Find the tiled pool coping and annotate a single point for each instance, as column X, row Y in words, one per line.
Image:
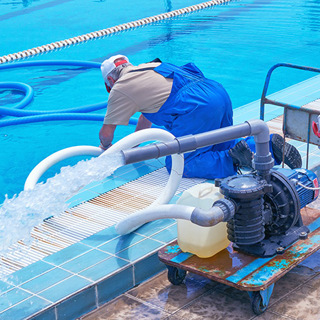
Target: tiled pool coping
column 81, row 277
column 90, row 277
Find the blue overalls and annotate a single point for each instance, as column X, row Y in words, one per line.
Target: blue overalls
column 195, row 105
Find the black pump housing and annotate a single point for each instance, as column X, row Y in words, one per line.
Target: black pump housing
column 267, row 218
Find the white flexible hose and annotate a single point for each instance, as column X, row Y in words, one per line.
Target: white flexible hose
column 177, row 159
column 165, row 211
column 56, row 157
column 125, row 143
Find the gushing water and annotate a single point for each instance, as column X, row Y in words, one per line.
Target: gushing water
column 21, row 213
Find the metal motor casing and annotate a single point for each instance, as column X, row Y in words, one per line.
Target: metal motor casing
column 268, row 212
column 307, row 178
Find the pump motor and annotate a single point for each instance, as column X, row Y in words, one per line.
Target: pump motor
column 267, row 217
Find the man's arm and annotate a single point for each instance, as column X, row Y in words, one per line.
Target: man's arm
column 143, row 123
column 106, row 135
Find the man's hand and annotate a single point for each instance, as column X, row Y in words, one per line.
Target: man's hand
column 105, row 147
column 106, row 135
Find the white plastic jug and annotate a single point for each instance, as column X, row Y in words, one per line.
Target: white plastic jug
column 201, row 241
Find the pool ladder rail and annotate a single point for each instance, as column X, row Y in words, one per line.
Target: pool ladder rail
column 298, row 122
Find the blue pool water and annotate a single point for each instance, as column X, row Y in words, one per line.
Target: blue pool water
column 234, row 44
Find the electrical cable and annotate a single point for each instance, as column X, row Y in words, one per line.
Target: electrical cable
column 308, row 188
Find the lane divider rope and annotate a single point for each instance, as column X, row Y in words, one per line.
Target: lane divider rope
column 107, row 31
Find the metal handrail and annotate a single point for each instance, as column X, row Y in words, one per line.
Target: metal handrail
column 286, row 106
column 265, row 100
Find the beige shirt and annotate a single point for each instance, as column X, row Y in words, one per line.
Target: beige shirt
column 141, row 91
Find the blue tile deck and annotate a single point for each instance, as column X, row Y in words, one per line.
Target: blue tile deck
column 140, row 250
column 101, row 237
column 4, row 287
column 122, row 243
column 154, row 227
column 147, row 267
column 166, row 235
column 77, row 305
column 29, row 272
column 13, row 296
column 104, row 268
column 66, row 254
column 85, row 261
column 25, row 309
column 113, row 286
column 46, row 280
column 65, row 288
column 101, row 266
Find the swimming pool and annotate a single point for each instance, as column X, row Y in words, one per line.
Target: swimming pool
column 234, row 44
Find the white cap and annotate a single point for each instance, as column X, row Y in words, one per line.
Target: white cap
column 108, row 65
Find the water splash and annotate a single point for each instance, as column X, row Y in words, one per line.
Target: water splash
column 20, row 214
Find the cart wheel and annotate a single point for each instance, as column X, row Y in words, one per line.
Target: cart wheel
column 257, row 304
column 175, row 275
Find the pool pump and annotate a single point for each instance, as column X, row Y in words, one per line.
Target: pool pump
column 267, row 215
column 262, row 209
